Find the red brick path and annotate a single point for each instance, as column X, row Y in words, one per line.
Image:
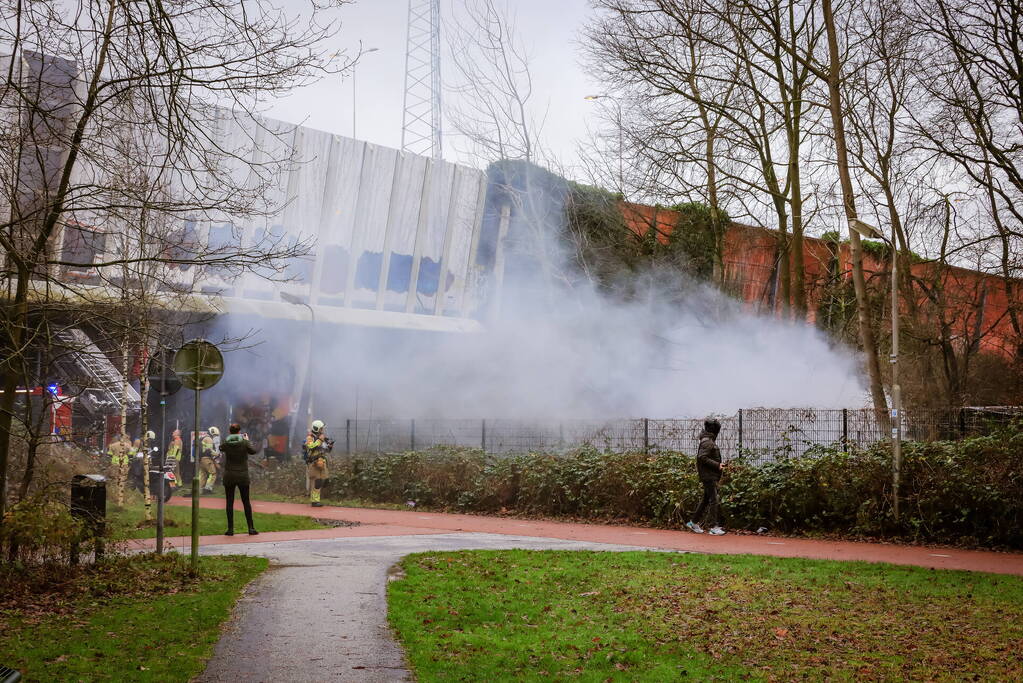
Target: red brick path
column 400, row 522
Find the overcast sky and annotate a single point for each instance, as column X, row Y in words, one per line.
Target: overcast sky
column 549, row 28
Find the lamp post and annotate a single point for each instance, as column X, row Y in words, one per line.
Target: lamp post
column 621, row 137
column 354, row 67
column 307, row 373
column 896, row 414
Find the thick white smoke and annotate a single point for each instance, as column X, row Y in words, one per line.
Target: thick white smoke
column 597, row 359
column 564, row 353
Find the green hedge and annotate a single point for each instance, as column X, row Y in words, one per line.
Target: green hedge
column 957, row 492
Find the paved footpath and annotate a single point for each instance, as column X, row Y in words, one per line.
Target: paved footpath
column 320, row 612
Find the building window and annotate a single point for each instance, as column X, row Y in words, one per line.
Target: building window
column 82, row 246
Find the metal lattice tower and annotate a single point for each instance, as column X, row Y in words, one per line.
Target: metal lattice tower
column 421, row 125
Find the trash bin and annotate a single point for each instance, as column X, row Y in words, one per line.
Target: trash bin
column 89, row 504
column 8, row 675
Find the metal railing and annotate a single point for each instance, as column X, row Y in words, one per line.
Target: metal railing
column 761, row 433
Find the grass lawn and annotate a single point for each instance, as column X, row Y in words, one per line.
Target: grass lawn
column 134, row 619
column 128, row 522
column 594, row 616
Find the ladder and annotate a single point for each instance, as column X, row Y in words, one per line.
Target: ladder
column 98, row 368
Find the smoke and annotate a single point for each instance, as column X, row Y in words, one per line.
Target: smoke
column 600, row 359
column 555, row 346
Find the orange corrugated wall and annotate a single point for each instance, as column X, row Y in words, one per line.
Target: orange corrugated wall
column 974, row 301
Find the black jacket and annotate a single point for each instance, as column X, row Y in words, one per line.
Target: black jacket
column 236, row 452
column 708, row 458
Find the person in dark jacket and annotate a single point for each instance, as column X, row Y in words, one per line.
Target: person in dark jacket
column 236, row 450
column 709, row 468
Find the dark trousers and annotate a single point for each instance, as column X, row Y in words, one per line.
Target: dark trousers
column 243, row 489
column 709, row 504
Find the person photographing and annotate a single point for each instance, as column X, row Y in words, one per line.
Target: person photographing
column 237, row 449
column 709, row 468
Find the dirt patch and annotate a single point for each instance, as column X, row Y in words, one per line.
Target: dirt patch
column 336, row 523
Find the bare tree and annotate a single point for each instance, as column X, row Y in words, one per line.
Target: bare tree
column 89, row 80
column 678, row 95
column 975, row 119
column 493, row 86
column 724, row 77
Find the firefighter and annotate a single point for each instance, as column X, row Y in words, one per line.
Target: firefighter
column 208, row 461
column 174, row 454
column 120, row 454
column 315, row 450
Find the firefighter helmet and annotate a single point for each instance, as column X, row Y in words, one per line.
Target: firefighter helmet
column 150, row 436
column 213, row 431
column 318, row 426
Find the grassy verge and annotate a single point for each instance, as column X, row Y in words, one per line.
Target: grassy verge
column 304, row 499
column 128, row 522
column 522, row 615
column 333, row 502
column 128, row 619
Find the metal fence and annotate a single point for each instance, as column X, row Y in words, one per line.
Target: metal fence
column 762, row 434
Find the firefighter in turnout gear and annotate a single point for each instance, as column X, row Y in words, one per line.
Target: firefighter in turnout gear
column 174, row 454
column 208, row 461
column 120, row 452
column 315, row 450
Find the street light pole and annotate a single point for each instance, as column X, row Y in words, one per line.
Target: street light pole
column 896, row 388
column 896, row 414
column 307, row 375
column 354, row 67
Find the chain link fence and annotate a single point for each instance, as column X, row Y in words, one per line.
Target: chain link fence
column 761, row 433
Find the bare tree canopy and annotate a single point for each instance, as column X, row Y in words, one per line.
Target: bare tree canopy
column 123, row 125
column 795, row 114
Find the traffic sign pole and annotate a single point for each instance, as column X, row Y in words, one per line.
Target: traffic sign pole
column 199, row 365
column 195, row 487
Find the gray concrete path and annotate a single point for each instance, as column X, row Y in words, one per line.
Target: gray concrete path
column 320, row 612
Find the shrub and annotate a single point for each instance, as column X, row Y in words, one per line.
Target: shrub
column 39, row 530
column 968, row 491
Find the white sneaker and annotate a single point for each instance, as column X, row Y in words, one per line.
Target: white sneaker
column 717, row 531
column 694, row 527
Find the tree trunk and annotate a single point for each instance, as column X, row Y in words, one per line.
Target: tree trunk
column 20, row 320
column 784, row 265
column 30, row 466
column 718, row 228
column 849, row 203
